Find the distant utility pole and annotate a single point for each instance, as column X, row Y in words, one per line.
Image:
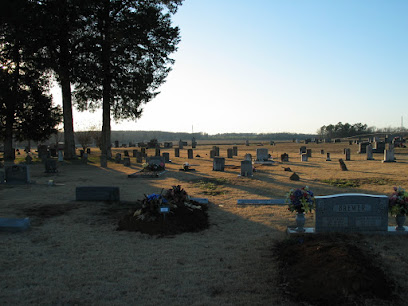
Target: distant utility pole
column 402, row 122
column 192, row 129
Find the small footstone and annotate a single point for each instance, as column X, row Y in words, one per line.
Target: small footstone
column 294, row 177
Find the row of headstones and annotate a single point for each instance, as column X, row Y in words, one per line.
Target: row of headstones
column 388, row 153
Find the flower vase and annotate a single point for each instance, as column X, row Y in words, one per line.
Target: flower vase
column 400, row 222
column 300, row 222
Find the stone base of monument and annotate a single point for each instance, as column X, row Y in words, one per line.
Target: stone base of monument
column 391, row 231
column 13, row 225
column 264, row 162
column 144, row 174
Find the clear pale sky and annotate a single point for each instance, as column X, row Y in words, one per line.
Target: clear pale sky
column 264, row 66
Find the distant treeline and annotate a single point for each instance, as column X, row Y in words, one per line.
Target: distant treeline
column 140, row 136
column 341, row 130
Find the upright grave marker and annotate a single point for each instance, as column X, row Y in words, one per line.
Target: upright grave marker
column 218, row 164
column 351, row 212
column 246, row 168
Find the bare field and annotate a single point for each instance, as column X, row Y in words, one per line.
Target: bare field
column 74, row 255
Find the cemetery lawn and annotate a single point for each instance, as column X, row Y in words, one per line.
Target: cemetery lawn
column 74, row 254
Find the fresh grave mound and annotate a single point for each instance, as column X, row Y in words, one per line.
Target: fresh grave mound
column 330, row 270
column 184, row 215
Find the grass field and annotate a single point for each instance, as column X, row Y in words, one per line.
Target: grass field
column 74, row 255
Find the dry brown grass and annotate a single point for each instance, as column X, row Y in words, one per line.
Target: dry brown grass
column 77, row 257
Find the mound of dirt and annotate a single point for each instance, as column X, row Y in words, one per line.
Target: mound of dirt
column 330, row 270
column 185, row 215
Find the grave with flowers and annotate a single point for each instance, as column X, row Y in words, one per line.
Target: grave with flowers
column 155, row 166
column 166, row 213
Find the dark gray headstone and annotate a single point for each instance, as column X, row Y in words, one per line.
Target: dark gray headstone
column 166, row 157
column 347, row 153
column 302, row 150
column 17, row 174
column 248, row 157
column 118, row 158
column 126, row 153
column 351, row 213
column 218, row 164
column 246, row 168
column 97, row 193
column 190, row 153
column 176, row 152
column 342, row 165
column 235, row 150
column 50, row 165
column 369, row 150
column 262, row 154
column 284, row 157
column 157, row 153
column 304, row 157
column 229, row 153
column 309, row 152
column 212, row 153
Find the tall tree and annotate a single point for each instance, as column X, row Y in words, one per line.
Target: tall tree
column 24, row 83
column 126, row 53
column 63, row 22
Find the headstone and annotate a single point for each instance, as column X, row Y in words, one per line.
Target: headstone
column 17, row 174
column 88, row 151
column 246, row 168
column 303, row 157
column 378, row 147
column 248, row 157
column 218, row 164
column 118, row 158
column 97, row 193
column 126, row 161
column 235, row 151
column 193, row 143
column 321, row 151
column 262, row 154
column 389, row 156
column 328, row 157
column 309, row 152
column 166, row 157
column 284, row 157
column 347, row 153
column 369, row 150
column 217, row 150
column 104, row 161
column 302, row 150
column 143, row 151
column 126, row 153
column 139, row 157
column 247, row 143
column 190, row 154
column 116, row 144
column 212, row 153
column 134, row 152
column 342, row 165
column 294, row 177
column 181, row 144
column 157, row 160
column 157, row 152
column 14, row 225
column 29, row 159
column 168, row 145
column 84, row 158
column 229, row 153
column 53, row 152
column 351, row 213
column 177, row 152
column 42, row 152
column 362, row 147
column 50, row 165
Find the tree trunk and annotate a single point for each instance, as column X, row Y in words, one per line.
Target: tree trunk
column 106, row 82
column 69, row 141
column 11, row 104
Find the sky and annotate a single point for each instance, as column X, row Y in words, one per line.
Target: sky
column 270, row 66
